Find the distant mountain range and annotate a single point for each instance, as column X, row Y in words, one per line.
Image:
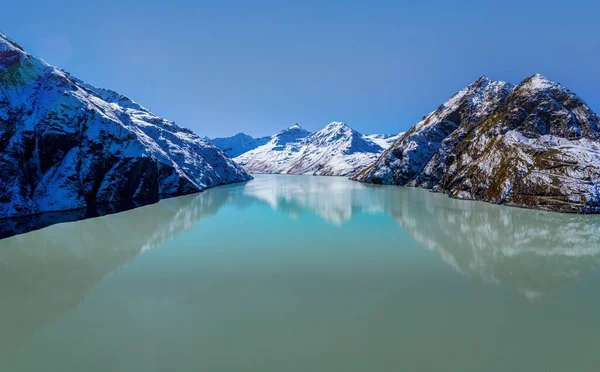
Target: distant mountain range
column 336, row 150
column 67, row 145
column 532, row 145
column 238, row 144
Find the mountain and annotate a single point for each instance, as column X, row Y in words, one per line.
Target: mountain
column 534, row 145
column 336, row 150
column 68, row 145
column 276, row 155
column 383, row 140
column 238, row 144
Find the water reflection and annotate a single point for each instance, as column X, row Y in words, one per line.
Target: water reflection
column 335, row 199
column 535, row 252
column 20, row 225
column 45, row 273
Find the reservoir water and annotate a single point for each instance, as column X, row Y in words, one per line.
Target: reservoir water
column 300, row 273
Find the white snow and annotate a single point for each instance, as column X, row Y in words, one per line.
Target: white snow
column 47, row 100
column 383, row 140
column 539, row 82
column 336, row 150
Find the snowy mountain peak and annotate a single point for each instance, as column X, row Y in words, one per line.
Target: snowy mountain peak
column 534, row 145
column 336, row 128
column 7, row 43
column 238, row 144
column 476, row 100
column 336, row 125
column 539, row 106
column 66, row 145
column 482, row 85
column 422, row 150
column 345, row 139
column 485, row 83
column 539, row 82
column 11, row 53
column 294, row 129
column 336, row 150
column 483, row 80
column 291, row 134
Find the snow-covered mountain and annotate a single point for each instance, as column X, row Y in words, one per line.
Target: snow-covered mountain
column 238, row 144
column 383, row 140
column 534, row 145
column 336, row 150
column 67, row 145
column 276, row 154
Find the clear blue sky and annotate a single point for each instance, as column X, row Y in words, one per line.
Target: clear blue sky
column 221, row 67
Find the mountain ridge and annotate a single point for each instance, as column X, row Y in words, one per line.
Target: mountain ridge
column 68, row 145
column 238, row 144
column 532, row 145
column 335, row 150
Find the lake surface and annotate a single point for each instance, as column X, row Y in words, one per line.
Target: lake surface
column 300, row 273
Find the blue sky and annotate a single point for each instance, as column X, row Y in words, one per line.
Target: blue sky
column 223, row 67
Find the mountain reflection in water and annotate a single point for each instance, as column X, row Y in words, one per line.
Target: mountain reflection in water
column 47, row 272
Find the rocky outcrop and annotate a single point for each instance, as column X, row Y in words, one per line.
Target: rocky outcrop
column 67, row 145
column 534, row 145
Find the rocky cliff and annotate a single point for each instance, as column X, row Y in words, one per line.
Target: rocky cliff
column 534, row 145
column 65, row 144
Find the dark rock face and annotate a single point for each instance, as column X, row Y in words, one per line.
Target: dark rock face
column 67, row 145
column 534, row 145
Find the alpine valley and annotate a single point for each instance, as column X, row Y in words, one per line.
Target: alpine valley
column 67, row 145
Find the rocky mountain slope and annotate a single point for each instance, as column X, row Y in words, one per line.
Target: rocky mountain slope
column 238, row 144
column 67, row 145
column 336, row 150
column 534, row 145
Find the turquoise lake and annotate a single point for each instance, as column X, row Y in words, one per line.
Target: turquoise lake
column 301, row 273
